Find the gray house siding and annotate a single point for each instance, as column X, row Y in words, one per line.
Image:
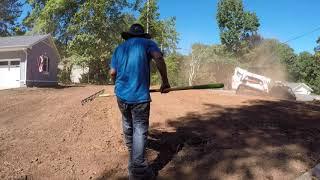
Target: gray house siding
column 36, row 78
column 28, row 49
column 17, row 55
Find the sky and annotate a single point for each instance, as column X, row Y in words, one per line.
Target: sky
column 280, row 19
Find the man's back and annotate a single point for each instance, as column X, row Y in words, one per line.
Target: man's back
column 131, row 60
column 130, row 67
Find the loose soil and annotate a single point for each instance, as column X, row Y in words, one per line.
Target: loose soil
column 199, row 134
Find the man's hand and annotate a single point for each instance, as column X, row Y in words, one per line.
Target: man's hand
column 165, row 87
column 113, row 74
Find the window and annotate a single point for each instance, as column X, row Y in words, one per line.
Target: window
column 4, row 63
column 15, row 63
column 45, row 64
column 239, row 74
column 254, row 80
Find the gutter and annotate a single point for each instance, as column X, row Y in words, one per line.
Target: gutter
column 7, row 49
column 22, row 47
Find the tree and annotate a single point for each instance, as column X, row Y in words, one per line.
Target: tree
column 162, row 31
column 97, row 26
column 174, row 64
column 306, row 69
column 317, row 50
column 197, row 55
column 10, row 10
column 235, row 24
column 207, row 64
column 51, row 16
column 86, row 32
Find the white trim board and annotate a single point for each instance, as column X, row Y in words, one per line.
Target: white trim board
column 15, row 59
column 12, row 49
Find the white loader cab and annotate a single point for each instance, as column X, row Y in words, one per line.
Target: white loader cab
column 245, row 79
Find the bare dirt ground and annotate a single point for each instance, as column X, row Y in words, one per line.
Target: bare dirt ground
column 47, row 134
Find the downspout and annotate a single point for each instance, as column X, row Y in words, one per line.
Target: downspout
column 26, row 65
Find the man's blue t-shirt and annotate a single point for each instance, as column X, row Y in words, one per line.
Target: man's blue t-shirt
column 131, row 60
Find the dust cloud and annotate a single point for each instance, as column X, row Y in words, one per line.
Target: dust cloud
column 263, row 60
column 211, row 66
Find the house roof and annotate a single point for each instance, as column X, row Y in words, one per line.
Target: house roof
column 295, row 86
column 21, row 42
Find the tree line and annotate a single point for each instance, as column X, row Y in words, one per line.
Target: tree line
column 86, row 33
column 242, row 45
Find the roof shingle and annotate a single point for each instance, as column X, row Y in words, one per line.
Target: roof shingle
column 20, row 41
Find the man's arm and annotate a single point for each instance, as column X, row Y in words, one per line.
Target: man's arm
column 113, row 65
column 161, row 66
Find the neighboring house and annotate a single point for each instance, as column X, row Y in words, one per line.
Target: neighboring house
column 77, row 72
column 302, row 91
column 28, row 61
column 300, row 88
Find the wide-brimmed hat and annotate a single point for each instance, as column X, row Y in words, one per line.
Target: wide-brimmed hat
column 136, row 30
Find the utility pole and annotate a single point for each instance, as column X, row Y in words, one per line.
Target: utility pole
column 148, row 4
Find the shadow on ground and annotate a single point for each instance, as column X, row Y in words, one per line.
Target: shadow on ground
column 263, row 140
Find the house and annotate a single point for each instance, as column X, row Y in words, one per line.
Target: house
column 28, row 61
column 300, row 88
column 302, row 91
column 77, row 72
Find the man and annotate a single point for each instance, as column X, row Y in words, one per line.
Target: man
column 130, row 68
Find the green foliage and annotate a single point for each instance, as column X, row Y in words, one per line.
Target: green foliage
column 51, row 16
column 306, row 69
column 270, row 58
column 97, row 26
column 317, row 50
column 207, row 64
column 165, row 34
column 174, row 63
column 279, row 62
column 10, row 10
column 162, row 31
column 235, row 24
column 86, row 31
column 302, row 66
column 64, row 76
column 280, row 52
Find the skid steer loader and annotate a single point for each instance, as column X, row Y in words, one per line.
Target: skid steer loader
column 245, row 82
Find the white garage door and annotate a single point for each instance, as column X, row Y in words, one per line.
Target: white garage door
column 9, row 73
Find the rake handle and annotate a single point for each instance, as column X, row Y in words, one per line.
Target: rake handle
column 204, row 86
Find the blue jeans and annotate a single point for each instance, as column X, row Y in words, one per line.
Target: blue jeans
column 135, row 124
